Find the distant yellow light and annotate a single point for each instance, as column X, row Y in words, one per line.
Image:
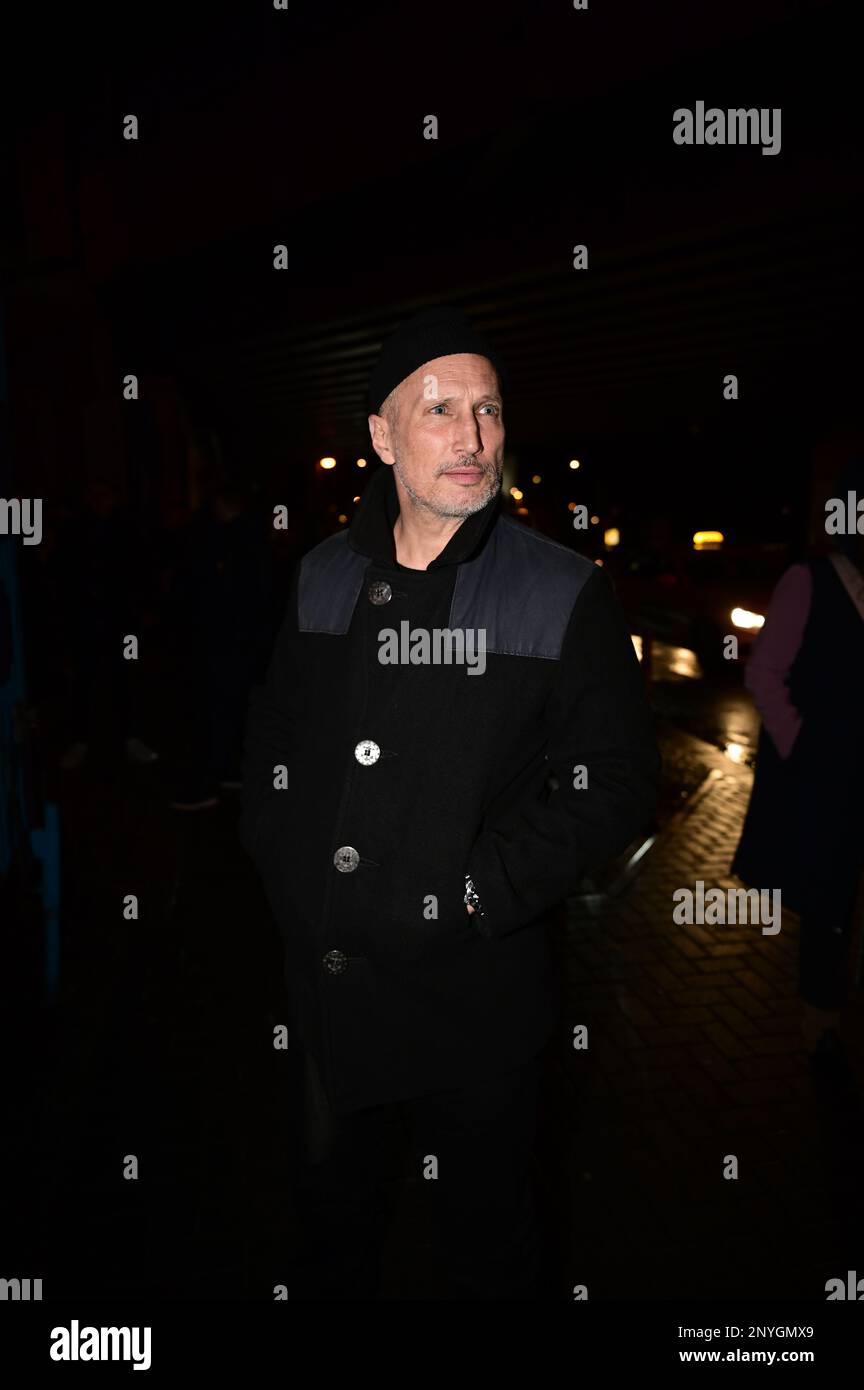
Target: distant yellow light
column 516, row 494
column 611, row 537
column 707, row 540
column 595, row 521
column 742, row 618
column 522, row 511
column 343, row 518
column 574, row 463
column 536, row 478
column 361, row 463
column 736, row 751
column 571, row 506
column 327, row 463
column 356, row 499
column 598, row 562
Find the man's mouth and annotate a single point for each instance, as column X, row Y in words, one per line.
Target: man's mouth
column 465, row 475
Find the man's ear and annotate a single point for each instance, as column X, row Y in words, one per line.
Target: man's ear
column 379, row 431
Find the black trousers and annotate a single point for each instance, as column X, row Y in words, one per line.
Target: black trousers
column 469, row 1153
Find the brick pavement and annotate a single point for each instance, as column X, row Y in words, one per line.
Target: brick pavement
column 695, row 1052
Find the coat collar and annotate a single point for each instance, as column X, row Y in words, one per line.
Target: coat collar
column 371, row 531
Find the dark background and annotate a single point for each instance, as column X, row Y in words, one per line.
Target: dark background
column 259, row 127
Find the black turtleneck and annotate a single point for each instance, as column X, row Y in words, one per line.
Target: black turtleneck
column 371, row 531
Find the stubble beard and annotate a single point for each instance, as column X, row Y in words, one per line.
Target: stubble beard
column 475, row 503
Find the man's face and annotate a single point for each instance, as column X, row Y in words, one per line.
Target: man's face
column 446, row 443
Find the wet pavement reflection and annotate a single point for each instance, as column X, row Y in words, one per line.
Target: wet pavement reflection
column 714, row 707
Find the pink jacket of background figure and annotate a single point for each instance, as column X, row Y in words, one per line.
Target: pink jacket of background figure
column 773, row 653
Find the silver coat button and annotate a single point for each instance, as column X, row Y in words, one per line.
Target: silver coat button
column 335, row 962
column 379, row 591
column 346, row 859
column 367, row 752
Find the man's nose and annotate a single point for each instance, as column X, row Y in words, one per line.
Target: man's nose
column 467, row 437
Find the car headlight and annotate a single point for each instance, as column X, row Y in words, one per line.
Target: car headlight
column 750, row 621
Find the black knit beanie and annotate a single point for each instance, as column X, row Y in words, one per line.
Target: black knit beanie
column 434, row 333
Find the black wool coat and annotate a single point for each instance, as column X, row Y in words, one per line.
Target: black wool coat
column 404, row 775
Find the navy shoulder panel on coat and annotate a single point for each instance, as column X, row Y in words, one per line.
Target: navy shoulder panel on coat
column 521, row 589
column 331, row 576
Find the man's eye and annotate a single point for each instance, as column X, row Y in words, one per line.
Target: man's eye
column 437, row 407
column 490, row 407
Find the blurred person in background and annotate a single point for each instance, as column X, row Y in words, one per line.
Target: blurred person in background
column 101, row 581
column 220, row 617
column 804, row 829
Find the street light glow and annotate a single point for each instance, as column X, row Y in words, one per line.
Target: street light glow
column 751, row 622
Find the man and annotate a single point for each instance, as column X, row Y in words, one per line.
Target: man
column 459, row 712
